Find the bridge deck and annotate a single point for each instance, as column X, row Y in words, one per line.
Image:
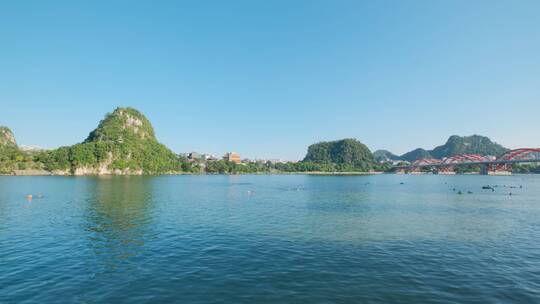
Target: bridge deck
column 494, row 162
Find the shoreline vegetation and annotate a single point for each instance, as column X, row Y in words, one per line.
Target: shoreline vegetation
column 124, row 143
column 47, row 173
column 320, row 173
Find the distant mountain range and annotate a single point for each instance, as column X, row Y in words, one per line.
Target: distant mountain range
column 455, row 145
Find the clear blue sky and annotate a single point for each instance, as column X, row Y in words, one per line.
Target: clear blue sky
column 268, row 78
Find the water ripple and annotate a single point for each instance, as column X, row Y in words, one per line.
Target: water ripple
column 291, row 239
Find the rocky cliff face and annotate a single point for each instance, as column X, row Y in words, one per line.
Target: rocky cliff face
column 124, row 143
column 10, row 154
column 6, row 137
column 123, row 124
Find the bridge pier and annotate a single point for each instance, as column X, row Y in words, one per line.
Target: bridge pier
column 484, row 170
column 489, row 169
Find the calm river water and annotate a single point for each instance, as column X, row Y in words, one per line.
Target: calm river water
column 270, row 239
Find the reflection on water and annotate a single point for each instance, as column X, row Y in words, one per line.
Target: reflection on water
column 118, row 216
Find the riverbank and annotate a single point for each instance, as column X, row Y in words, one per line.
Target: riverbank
column 48, row 173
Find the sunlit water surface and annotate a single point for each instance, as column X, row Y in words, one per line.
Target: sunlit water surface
column 270, row 238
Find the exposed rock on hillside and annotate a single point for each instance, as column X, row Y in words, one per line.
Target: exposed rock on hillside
column 7, row 137
column 457, row 145
column 123, row 124
column 475, row 144
column 10, row 154
column 124, row 143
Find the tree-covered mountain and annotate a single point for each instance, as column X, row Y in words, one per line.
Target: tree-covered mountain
column 457, row 145
column 475, row 144
column 123, row 143
column 342, row 155
column 385, row 155
column 415, row 155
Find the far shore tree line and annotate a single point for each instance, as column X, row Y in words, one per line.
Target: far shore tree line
column 124, row 143
column 346, row 155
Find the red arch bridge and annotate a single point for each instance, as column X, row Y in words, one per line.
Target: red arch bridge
column 487, row 164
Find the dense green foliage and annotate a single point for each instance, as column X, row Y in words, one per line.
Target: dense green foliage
column 341, row 155
column 462, row 169
column 415, row 155
column 124, row 140
column 226, row 167
column 11, row 157
column 123, row 124
column 526, row 168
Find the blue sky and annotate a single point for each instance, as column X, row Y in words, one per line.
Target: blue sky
column 268, row 78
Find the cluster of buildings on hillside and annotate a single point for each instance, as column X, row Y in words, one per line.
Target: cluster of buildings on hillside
column 229, row 156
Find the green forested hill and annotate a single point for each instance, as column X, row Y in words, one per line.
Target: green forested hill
column 475, row 144
column 456, row 145
column 123, row 143
column 345, row 154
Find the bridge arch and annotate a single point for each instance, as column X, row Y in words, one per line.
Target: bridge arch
column 464, row 159
column 520, row 154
